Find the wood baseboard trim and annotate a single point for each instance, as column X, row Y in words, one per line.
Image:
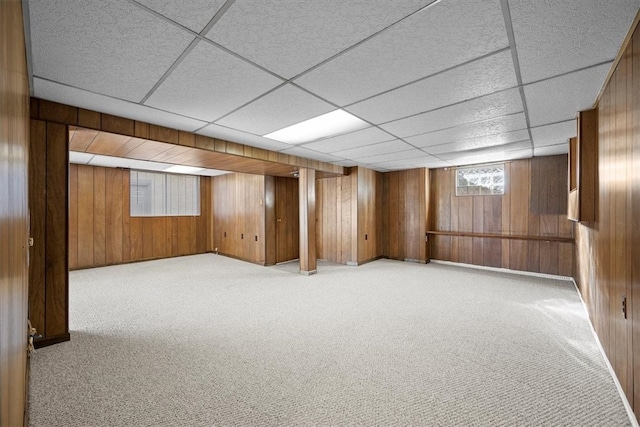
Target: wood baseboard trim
column 45, row 342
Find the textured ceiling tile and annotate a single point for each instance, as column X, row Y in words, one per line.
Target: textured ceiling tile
column 494, row 150
column 397, row 155
column 291, row 37
column 374, row 149
column 472, row 130
column 481, row 142
column 557, row 133
column 415, row 162
column 112, row 48
column 355, row 139
column 91, row 101
column 448, row 33
column 311, row 154
column 560, row 98
column 554, row 37
column 551, row 150
column 221, row 132
column 431, row 163
column 481, row 77
column 283, row 107
column 478, row 158
column 210, row 83
column 487, row 107
column 80, row 158
column 193, row 14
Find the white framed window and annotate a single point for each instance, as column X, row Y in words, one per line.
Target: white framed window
column 480, row 180
column 163, row 194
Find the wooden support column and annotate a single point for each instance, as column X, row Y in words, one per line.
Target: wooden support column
column 307, row 203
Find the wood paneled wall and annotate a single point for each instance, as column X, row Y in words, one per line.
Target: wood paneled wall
column 239, row 216
column 369, row 204
column 287, row 219
column 14, row 223
column 336, row 223
column 102, row 231
column 48, row 202
column 350, row 217
column 608, row 249
column 534, row 204
column 405, row 209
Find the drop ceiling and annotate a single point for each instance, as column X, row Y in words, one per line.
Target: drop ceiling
column 438, row 83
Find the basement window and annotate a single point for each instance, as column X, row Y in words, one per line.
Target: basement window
column 164, row 194
column 480, row 181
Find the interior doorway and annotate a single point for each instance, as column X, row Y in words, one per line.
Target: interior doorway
column 287, row 219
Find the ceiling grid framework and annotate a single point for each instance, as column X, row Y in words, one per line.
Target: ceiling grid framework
column 439, row 83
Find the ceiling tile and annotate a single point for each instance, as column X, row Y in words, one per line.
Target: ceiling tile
column 552, row 37
column 480, row 77
column 291, row 37
column 478, row 158
column 557, row 133
column 471, row 130
column 391, row 156
column 419, row 46
column 193, row 14
column 481, row 142
column 111, row 162
column 407, row 163
column 486, row 107
column 283, row 107
column 221, row 132
column 431, row 162
column 80, row 158
column 490, row 151
column 80, row 98
column 551, row 150
column 311, row 154
column 210, row 83
column 559, row 99
column 115, row 48
column 374, row 149
column 355, row 139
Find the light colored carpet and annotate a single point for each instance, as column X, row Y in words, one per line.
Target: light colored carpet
column 207, row 340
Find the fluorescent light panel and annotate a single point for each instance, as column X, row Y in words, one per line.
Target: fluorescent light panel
column 330, row 124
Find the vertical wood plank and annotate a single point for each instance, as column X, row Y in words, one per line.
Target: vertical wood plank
column 85, row 216
column 114, row 215
column 307, row 207
column 56, row 274
column 99, row 217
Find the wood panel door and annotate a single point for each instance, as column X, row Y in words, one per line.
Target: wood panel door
column 287, row 219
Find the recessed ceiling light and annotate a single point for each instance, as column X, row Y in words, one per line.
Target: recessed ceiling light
column 182, row 169
column 334, row 123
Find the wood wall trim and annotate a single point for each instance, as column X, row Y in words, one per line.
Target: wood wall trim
column 502, row 236
column 73, row 116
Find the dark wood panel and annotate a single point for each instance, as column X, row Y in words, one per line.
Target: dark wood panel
column 606, row 245
column 84, row 244
column 481, row 229
column 114, row 219
column 56, row 250
column 102, row 232
column 38, row 214
column 99, row 216
column 239, row 215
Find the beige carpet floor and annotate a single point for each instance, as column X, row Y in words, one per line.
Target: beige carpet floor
column 207, row 340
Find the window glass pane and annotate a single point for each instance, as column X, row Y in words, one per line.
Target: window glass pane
column 161, row 194
column 483, row 180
